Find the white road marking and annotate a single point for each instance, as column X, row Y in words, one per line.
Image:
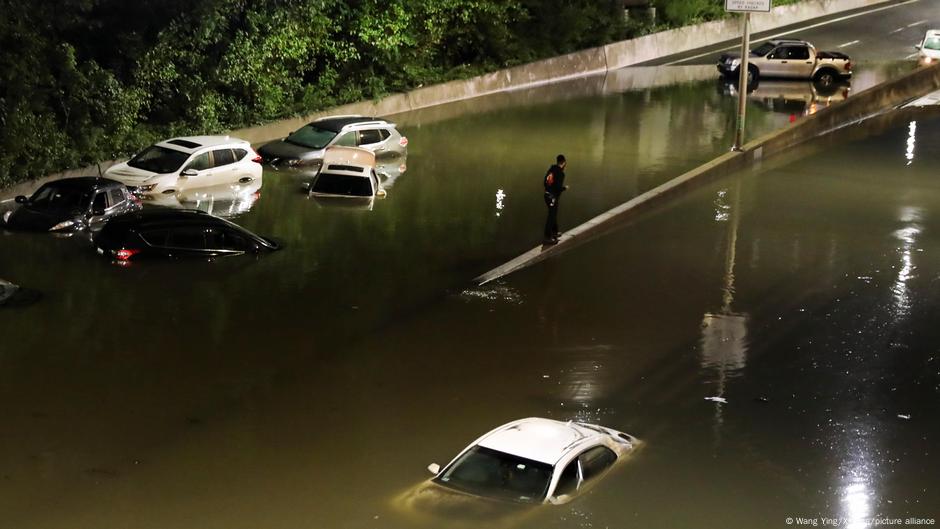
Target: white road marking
column 736, row 46
column 911, row 56
column 917, row 23
column 897, row 31
column 854, row 42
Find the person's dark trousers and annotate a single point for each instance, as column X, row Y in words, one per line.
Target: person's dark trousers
column 551, row 222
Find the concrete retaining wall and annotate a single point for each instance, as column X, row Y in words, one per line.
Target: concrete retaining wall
column 871, row 102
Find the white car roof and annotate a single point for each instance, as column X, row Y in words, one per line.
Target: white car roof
column 538, row 439
column 191, row 144
column 349, row 156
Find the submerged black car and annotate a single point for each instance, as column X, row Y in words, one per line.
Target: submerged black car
column 164, row 232
column 71, row 204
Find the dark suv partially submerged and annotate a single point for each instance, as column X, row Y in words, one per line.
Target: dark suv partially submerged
column 306, row 146
column 71, row 204
column 164, row 232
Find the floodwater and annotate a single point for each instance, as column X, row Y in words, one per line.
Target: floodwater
column 311, row 387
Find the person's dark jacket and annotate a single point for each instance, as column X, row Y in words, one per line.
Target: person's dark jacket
column 556, row 184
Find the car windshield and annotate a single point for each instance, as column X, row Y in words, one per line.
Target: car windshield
column 763, row 49
column 487, row 472
column 158, row 159
column 51, row 196
column 932, row 43
column 340, row 184
column 311, row 136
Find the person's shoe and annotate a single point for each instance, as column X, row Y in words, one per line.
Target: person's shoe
column 549, row 242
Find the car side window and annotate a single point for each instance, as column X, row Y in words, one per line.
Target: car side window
column 101, row 201
column 346, row 140
column 239, row 154
column 155, row 238
column 779, row 53
column 799, row 53
column 596, row 460
column 222, row 157
column 369, row 136
column 117, row 196
column 189, row 237
column 385, row 134
column 568, row 481
column 200, row 162
column 225, row 239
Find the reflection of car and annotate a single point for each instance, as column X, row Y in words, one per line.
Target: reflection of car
column 71, row 204
column 347, row 172
column 182, row 164
column 929, row 48
column 164, row 232
column 790, row 97
column 789, row 58
column 226, row 200
column 534, row 460
column 306, row 145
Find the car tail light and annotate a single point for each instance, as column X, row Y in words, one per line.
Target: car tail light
column 848, row 65
column 257, row 159
column 403, row 141
column 125, row 253
column 135, row 199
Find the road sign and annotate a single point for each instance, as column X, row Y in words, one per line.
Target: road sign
column 748, row 6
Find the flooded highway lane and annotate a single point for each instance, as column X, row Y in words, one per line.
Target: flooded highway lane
column 311, row 387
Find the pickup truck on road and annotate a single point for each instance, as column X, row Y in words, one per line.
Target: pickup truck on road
column 789, row 58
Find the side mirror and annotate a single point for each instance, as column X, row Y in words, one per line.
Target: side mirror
column 434, row 468
column 381, row 193
column 20, row 199
column 917, row 46
column 99, row 211
column 189, row 172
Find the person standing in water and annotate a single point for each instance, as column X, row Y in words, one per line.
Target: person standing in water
column 554, row 186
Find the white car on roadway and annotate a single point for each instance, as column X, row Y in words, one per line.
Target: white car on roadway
column 534, row 460
column 182, row 164
column 929, row 48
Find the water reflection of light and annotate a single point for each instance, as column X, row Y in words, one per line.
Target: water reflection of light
column 500, row 195
column 856, row 500
column 722, row 208
column 908, row 237
column 911, row 140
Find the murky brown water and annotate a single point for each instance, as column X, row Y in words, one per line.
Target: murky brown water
column 310, row 388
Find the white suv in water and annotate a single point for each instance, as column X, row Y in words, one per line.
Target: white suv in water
column 181, row 164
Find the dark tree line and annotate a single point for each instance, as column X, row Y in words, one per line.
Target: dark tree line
column 86, row 80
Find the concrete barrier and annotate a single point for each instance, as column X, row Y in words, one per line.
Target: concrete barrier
column 866, row 104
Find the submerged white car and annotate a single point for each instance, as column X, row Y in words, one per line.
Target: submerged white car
column 182, row 164
column 347, row 172
column 929, row 48
column 534, row 460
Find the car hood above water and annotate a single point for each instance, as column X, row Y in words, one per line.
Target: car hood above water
column 288, row 151
column 30, row 219
column 128, row 175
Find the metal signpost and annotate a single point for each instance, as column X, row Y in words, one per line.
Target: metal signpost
column 747, row 7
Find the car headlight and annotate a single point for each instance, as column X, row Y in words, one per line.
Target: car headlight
column 147, row 188
column 63, row 225
column 6, row 216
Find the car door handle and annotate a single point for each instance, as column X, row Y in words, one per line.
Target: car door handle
column 783, row 62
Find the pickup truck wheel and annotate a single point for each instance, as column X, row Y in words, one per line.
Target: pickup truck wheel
column 752, row 74
column 825, row 78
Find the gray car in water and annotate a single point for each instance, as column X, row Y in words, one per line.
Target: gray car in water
column 305, row 147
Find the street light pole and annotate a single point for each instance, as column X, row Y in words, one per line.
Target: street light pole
column 742, row 83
